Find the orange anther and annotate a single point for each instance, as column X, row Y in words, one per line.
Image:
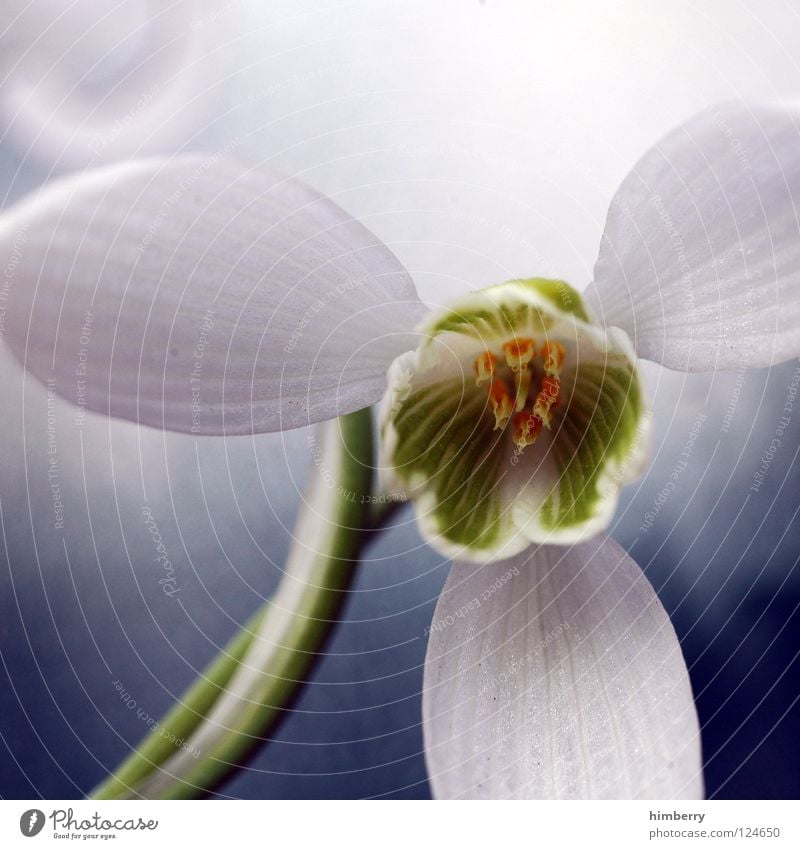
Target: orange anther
column 542, row 407
column 484, row 367
column 553, row 353
column 519, row 352
column 502, row 403
column 527, row 427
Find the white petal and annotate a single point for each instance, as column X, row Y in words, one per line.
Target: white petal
column 555, row 675
column 199, row 295
column 700, row 259
column 83, row 83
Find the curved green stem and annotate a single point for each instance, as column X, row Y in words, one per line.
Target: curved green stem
column 177, row 726
column 245, row 691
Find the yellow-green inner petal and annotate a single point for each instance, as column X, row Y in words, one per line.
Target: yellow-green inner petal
column 540, row 302
column 517, row 420
column 447, row 447
column 595, row 437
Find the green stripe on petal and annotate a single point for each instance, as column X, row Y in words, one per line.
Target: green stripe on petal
column 560, row 295
column 448, row 451
column 514, row 308
column 598, row 439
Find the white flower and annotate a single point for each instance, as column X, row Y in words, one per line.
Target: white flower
column 199, row 295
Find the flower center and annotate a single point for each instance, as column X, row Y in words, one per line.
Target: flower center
column 457, row 450
column 524, row 388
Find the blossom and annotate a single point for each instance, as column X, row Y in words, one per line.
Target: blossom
column 200, row 295
column 516, row 421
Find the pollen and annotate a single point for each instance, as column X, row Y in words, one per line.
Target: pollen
column 484, row 367
column 518, row 353
column 553, row 354
column 549, row 392
column 527, row 427
column 502, row 403
column 518, row 388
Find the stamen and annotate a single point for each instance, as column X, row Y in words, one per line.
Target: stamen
column 522, row 379
column 553, row 353
column 549, row 392
column 502, row 404
column 484, row 367
column 551, row 386
column 527, row 427
column 519, row 353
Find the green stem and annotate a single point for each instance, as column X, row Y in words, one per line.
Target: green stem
column 174, row 729
column 227, row 713
column 383, row 511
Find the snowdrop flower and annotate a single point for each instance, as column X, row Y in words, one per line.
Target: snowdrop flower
column 198, row 295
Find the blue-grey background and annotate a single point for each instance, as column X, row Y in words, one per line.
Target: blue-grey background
column 482, row 141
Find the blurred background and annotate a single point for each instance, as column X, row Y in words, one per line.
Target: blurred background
column 481, row 141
